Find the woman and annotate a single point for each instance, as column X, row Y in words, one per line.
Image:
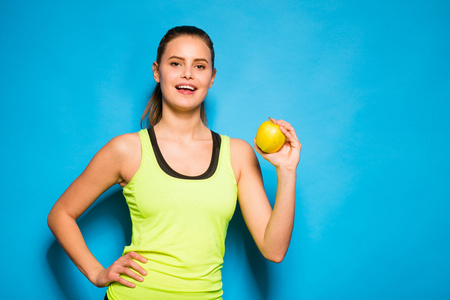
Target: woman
column 181, row 181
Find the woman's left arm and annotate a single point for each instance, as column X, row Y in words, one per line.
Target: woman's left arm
column 271, row 228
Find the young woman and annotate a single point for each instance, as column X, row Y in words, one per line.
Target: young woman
column 181, row 182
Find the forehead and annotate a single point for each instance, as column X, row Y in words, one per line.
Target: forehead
column 188, row 47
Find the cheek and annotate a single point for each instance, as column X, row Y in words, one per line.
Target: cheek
column 206, row 80
column 167, row 74
column 166, row 79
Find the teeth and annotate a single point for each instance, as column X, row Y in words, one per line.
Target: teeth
column 188, row 87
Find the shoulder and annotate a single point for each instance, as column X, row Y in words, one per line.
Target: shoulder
column 124, row 141
column 242, row 153
column 243, row 159
column 122, row 146
column 108, row 164
column 238, row 146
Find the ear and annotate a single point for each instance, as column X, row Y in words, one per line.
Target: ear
column 212, row 78
column 155, row 69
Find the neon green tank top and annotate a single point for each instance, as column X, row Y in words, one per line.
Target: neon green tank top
column 179, row 224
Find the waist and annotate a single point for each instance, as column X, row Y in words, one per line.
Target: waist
column 114, row 293
column 168, row 273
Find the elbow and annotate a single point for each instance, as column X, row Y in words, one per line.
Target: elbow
column 274, row 252
column 53, row 218
column 50, row 220
column 275, row 257
column 58, row 219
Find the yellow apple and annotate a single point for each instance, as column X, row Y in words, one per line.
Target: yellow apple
column 269, row 137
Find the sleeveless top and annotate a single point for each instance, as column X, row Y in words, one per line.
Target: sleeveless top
column 179, row 224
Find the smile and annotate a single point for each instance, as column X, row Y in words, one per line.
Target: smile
column 186, row 87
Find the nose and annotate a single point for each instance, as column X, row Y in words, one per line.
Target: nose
column 187, row 73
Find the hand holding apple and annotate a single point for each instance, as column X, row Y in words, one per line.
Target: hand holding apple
column 269, row 137
column 277, row 142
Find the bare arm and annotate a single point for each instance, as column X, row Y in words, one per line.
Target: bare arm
column 105, row 169
column 271, row 229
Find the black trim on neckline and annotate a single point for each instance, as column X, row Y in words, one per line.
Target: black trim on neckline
column 171, row 172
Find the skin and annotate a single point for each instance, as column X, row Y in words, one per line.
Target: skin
column 186, row 145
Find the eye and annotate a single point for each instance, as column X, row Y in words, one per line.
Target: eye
column 201, row 67
column 175, row 64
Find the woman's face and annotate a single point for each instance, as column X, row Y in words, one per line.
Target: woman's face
column 185, row 73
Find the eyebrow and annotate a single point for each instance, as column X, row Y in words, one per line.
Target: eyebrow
column 196, row 59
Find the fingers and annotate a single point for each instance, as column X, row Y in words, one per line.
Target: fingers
column 117, row 277
column 138, row 257
column 287, row 129
column 127, row 265
column 124, row 282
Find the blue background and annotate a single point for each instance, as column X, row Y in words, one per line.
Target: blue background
column 366, row 84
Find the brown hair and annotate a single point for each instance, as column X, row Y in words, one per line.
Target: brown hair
column 153, row 111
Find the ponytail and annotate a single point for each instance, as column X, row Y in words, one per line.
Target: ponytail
column 153, row 111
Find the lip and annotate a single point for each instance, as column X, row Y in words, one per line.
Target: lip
column 186, row 91
column 188, row 84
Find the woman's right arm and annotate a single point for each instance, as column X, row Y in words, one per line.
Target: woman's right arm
column 106, row 169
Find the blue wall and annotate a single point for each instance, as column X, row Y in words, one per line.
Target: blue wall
column 365, row 83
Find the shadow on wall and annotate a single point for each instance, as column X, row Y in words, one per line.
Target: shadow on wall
column 238, row 230
column 115, row 206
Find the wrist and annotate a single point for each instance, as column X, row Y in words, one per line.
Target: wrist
column 94, row 274
column 286, row 169
column 286, row 174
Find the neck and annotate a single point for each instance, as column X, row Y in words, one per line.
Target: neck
column 181, row 126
